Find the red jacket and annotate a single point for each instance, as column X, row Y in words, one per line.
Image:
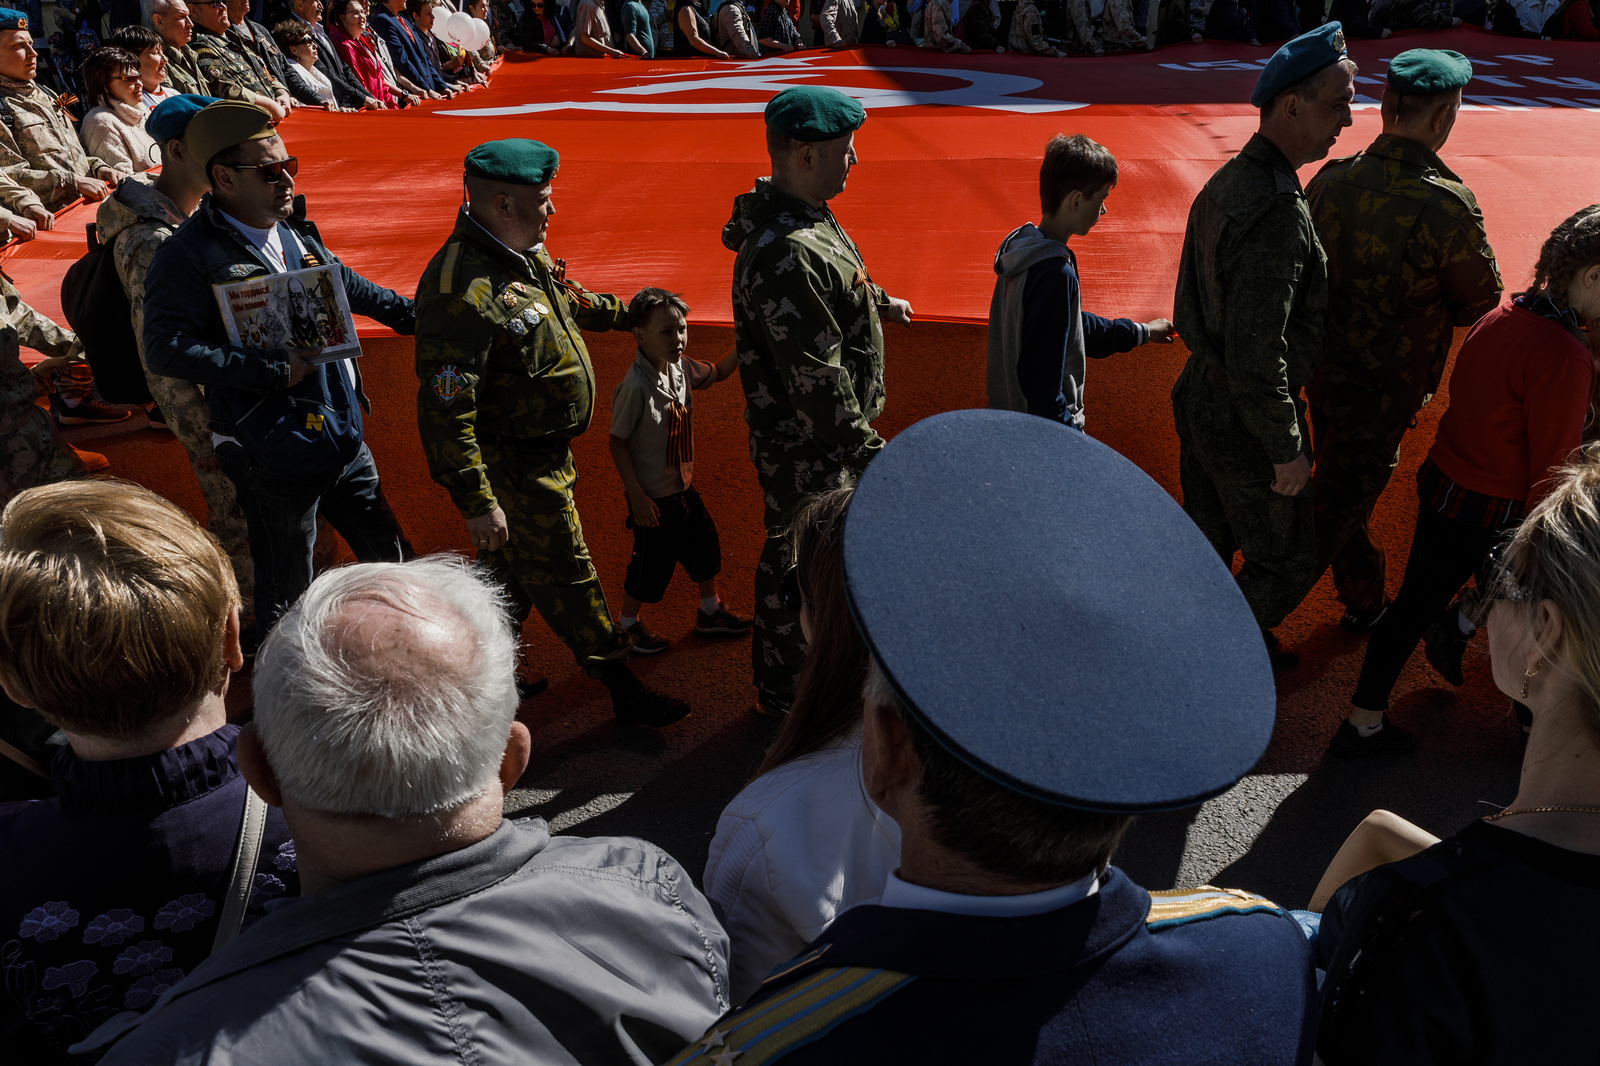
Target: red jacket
column 362, row 58
column 1519, row 398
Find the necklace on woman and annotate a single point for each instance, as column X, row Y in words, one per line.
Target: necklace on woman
column 1540, row 810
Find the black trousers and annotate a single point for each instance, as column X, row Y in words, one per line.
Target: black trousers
column 1444, row 554
column 686, row 535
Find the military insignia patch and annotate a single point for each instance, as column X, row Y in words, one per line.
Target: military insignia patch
column 517, row 326
column 1338, row 41
column 448, row 384
column 22, row 24
column 478, row 292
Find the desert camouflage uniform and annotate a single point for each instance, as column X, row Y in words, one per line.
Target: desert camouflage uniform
column 806, row 325
column 1027, row 32
column 1251, row 301
column 506, row 384
column 134, row 222
column 938, row 32
column 1408, row 261
column 31, row 453
column 39, row 149
column 183, row 70
column 232, row 71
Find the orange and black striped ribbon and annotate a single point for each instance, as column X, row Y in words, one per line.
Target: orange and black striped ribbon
column 680, row 437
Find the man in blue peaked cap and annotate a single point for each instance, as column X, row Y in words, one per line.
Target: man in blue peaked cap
column 1013, row 755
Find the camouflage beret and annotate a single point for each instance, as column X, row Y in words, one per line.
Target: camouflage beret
column 12, row 19
column 1300, row 58
column 814, row 113
column 1426, row 71
column 515, row 161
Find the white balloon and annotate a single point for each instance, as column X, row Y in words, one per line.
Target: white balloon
column 441, row 22
column 482, row 36
column 460, row 27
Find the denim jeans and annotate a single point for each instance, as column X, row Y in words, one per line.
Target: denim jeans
column 282, row 515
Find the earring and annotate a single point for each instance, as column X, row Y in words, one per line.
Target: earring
column 1529, row 674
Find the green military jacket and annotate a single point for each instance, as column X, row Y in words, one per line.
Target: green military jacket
column 1252, row 291
column 183, row 70
column 806, row 325
column 39, row 148
column 232, row 71
column 500, row 356
column 1408, row 261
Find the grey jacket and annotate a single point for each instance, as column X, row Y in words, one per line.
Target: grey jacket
column 522, row 948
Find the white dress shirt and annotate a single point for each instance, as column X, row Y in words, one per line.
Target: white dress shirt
column 904, row 894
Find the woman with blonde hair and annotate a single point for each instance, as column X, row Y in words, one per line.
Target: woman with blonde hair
column 1481, row 947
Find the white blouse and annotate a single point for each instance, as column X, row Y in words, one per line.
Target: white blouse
column 799, row 846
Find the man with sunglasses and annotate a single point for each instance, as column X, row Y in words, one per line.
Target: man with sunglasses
column 288, row 432
column 232, row 71
column 347, row 92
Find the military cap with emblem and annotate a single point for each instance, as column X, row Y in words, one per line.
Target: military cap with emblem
column 170, row 118
column 814, row 113
column 514, row 161
column 219, row 126
column 1127, row 673
column 12, row 19
column 1302, row 57
column 1427, row 71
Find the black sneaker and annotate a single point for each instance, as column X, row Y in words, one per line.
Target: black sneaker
column 722, row 622
column 1444, row 643
column 1359, row 621
column 635, row 703
column 531, row 685
column 1390, row 740
column 1282, row 659
column 646, row 641
column 88, row 411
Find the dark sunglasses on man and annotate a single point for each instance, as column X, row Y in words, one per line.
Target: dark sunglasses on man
column 273, row 172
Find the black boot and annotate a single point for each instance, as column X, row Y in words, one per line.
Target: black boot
column 634, row 702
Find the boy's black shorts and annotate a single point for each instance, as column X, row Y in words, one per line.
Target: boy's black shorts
column 686, row 535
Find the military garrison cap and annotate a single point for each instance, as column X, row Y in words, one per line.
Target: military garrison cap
column 224, row 124
column 170, row 118
column 814, row 113
column 1426, row 71
column 1049, row 614
column 1300, row 58
column 12, row 19
column 515, row 161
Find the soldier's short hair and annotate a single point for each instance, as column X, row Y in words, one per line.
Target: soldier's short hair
column 1409, row 107
column 1073, row 164
column 1003, row 831
column 113, row 607
column 645, row 302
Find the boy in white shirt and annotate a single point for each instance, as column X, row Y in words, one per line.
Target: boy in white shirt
column 652, row 443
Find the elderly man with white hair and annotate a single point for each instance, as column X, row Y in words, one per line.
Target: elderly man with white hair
column 431, row 929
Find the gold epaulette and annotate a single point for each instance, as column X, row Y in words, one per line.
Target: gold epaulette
column 1180, row 906
column 447, row 271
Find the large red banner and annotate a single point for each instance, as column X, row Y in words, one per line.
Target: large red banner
column 654, row 152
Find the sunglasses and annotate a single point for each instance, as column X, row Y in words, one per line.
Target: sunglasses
column 1495, row 582
column 271, row 173
column 789, row 590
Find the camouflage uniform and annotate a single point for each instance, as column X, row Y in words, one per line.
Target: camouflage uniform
column 134, row 222
column 938, row 32
column 506, row 383
column 1251, row 300
column 39, row 149
column 1027, row 32
column 805, row 320
column 183, row 70
column 31, row 453
column 232, row 71
column 1408, row 261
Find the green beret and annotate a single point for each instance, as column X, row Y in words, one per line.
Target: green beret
column 515, row 161
column 1426, row 71
column 814, row 113
column 1300, row 58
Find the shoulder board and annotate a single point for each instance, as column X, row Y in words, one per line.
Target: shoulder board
column 1181, row 906
column 447, row 271
column 789, row 1017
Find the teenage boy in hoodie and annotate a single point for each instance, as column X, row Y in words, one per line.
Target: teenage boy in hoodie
column 1039, row 334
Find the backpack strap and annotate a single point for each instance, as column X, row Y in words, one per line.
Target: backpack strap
column 242, row 871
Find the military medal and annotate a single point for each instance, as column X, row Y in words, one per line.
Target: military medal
column 517, row 326
column 539, row 306
column 519, row 288
column 530, row 316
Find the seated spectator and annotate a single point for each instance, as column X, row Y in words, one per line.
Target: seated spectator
column 1229, row 20
column 306, row 83
column 148, row 46
column 113, row 127
column 734, row 31
column 776, row 29
column 635, row 30
column 1356, row 18
column 256, row 39
column 171, row 20
column 349, row 21
column 838, row 23
column 388, row 20
column 483, row 60
column 802, row 844
column 1580, row 21
column 430, row 926
column 886, row 21
column 119, row 622
column 938, row 29
column 1534, row 16
column 405, row 91
column 1396, row 15
column 1027, row 32
column 1519, row 402
column 1006, row 754
column 978, row 27
column 345, row 89
column 542, row 29
column 1279, row 20
column 231, row 71
column 57, row 169
column 1426, row 961
column 592, row 33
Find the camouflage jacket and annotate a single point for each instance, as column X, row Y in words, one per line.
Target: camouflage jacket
column 1408, row 261
column 1027, row 32
column 805, row 321
column 33, row 329
column 1252, row 292
column 500, row 356
column 39, row 149
column 183, row 70
column 133, row 222
column 232, row 70
column 14, row 199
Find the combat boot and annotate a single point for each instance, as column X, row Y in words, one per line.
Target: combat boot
column 634, row 702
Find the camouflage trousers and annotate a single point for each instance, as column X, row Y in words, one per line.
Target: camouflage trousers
column 1116, row 29
column 1226, row 478
column 31, row 452
column 184, row 406
column 545, row 565
column 1357, row 451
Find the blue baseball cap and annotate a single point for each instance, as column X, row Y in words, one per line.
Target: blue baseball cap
column 1123, row 673
column 1300, row 58
column 170, row 118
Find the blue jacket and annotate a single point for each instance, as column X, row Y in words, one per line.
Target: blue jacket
column 248, row 390
column 406, row 50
